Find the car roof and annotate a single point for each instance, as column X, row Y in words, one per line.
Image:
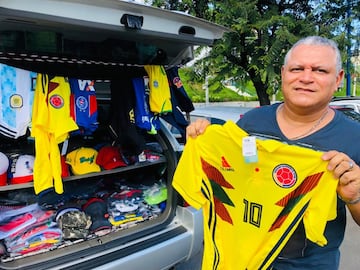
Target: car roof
column 347, row 98
column 216, row 113
column 351, row 114
column 107, row 32
column 347, row 102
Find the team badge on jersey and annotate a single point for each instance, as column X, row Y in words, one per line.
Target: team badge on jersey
column 16, row 101
column 56, row 101
column 82, row 103
column 177, row 82
column 284, row 176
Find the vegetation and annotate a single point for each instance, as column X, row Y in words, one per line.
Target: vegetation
column 218, row 93
column 261, row 32
column 195, row 89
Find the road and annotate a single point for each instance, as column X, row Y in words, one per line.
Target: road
column 350, row 249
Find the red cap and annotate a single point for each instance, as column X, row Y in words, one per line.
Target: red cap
column 109, row 157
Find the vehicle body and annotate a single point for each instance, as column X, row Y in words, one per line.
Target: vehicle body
column 218, row 114
column 102, row 41
column 349, row 112
column 347, row 102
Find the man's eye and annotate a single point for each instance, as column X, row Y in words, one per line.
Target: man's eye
column 321, row 70
column 295, row 69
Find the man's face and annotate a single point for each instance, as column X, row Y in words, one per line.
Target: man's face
column 309, row 78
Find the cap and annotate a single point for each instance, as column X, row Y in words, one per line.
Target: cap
column 83, row 160
column 22, row 169
column 4, row 165
column 109, row 157
column 97, row 209
column 73, row 222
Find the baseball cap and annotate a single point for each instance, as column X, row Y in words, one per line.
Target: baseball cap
column 73, row 222
column 83, row 160
column 4, row 165
column 22, row 168
column 109, row 157
column 96, row 208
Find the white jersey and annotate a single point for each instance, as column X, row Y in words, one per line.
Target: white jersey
column 17, row 93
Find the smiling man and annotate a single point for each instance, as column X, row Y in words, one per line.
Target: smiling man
column 311, row 74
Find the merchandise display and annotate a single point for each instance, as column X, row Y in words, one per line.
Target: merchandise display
column 80, row 184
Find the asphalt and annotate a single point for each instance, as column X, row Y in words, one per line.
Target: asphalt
column 350, row 248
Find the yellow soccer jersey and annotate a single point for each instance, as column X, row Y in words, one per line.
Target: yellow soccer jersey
column 159, row 96
column 51, row 124
column 251, row 209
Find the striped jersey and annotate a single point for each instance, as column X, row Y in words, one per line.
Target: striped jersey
column 251, row 209
column 16, row 97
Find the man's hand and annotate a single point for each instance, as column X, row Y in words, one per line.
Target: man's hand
column 348, row 173
column 196, row 128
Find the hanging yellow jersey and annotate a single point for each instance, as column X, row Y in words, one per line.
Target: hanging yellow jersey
column 159, row 95
column 51, row 124
column 251, row 208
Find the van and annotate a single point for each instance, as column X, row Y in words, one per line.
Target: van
column 83, row 184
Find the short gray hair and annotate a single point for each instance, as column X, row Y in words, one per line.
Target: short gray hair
column 317, row 40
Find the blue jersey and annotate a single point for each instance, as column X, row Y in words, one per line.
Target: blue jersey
column 144, row 118
column 178, row 93
column 301, row 253
column 83, row 105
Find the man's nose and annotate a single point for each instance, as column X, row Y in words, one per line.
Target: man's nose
column 307, row 75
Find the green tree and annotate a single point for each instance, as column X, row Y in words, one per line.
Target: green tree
column 199, row 8
column 261, row 33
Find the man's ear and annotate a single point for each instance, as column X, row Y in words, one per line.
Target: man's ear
column 340, row 78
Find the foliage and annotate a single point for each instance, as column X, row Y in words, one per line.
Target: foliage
column 261, row 32
column 194, row 84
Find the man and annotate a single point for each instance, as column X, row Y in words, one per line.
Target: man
column 310, row 75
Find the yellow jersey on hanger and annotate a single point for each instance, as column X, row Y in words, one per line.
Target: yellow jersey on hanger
column 160, row 96
column 51, row 125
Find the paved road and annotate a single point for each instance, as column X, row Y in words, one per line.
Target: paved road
column 350, row 249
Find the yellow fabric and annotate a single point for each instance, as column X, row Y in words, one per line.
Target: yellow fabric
column 83, row 160
column 51, row 123
column 249, row 210
column 159, row 95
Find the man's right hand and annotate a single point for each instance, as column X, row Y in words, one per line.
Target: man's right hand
column 196, row 128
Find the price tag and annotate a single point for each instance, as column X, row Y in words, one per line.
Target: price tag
column 249, row 150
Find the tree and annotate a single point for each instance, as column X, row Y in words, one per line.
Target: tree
column 197, row 8
column 261, row 33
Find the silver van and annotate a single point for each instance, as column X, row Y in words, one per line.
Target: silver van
column 102, row 44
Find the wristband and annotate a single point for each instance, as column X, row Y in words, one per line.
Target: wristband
column 355, row 201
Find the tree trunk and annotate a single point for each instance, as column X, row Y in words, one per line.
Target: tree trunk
column 260, row 88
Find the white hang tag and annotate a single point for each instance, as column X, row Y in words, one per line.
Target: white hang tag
column 249, row 149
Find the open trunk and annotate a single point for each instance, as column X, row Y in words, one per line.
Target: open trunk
column 102, row 45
